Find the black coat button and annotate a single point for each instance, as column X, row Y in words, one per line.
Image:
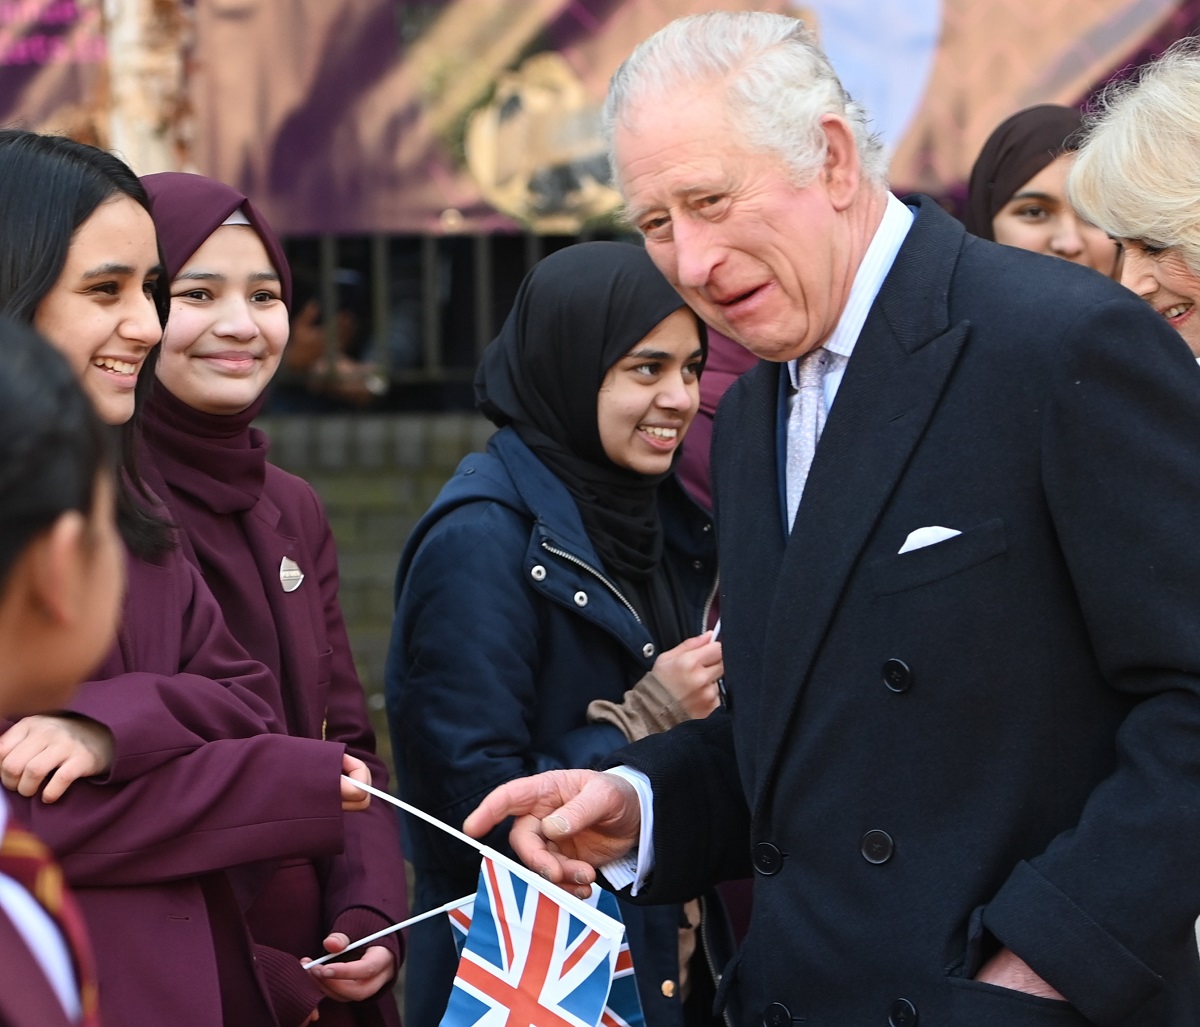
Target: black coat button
column 768, row 859
column 897, row 676
column 777, row 1015
column 902, row 1014
column 877, row 846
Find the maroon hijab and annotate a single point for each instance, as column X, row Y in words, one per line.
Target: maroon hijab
column 214, row 465
column 1017, row 150
column 187, row 209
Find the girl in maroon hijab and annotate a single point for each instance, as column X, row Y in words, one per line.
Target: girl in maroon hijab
column 263, row 544
column 167, row 767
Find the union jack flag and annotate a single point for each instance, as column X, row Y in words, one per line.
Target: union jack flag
column 534, row 956
column 624, row 1006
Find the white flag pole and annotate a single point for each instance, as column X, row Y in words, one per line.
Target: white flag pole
column 590, row 915
column 455, row 904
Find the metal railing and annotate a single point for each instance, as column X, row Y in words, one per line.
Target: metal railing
column 413, row 311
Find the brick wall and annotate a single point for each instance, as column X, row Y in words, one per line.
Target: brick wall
column 376, row 474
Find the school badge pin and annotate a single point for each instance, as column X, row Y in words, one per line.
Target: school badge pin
column 290, row 574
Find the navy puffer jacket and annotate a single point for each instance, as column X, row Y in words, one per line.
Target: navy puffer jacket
column 505, row 630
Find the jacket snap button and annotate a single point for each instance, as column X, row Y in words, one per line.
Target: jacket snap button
column 768, row 860
column 777, row 1015
column 538, row 573
column 648, row 650
column 698, row 565
column 902, row 1014
column 581, row 599
column 668, row 989
column 877, row 847
column 897, row 676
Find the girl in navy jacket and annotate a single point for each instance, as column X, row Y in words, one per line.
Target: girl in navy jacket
column 551, row 603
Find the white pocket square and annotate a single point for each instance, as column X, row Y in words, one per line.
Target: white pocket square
column 923, row 537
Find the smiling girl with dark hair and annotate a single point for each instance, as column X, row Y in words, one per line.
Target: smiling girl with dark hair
column 163, row 771
column 261, row 539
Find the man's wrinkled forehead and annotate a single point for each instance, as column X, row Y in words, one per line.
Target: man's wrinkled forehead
column 668, row 132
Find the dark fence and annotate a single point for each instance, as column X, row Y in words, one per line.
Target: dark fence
column 391, row 323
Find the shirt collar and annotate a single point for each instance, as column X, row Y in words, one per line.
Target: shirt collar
column 868, row 280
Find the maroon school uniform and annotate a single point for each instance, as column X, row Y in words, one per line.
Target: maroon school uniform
column 200, row 783
column 263, row 543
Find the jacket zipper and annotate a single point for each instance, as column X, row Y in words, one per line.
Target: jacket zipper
column 595, row 573
column 708, row 603
column 705, row 942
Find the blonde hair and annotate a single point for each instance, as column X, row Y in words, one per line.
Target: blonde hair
column 778, row 83
column 1137, row 172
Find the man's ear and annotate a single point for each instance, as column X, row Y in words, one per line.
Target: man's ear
column 842, row 173
column 54, row 565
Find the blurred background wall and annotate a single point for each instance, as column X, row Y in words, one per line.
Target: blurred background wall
column 419, row 155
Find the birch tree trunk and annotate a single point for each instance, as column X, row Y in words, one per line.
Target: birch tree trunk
column 148, row 123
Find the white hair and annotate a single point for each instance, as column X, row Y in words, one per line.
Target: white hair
column 1137, row 172
column 778, row 85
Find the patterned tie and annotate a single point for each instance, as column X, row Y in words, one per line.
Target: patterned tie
column 27, row 861
column 805, row 422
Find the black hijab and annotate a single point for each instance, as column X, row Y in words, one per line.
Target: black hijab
column 577, row 313
column 1017, row 150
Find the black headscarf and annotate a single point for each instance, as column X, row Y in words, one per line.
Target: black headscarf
column 577, row 313
column 1016, row 151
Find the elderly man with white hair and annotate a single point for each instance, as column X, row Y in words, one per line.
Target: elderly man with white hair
column 956, row 521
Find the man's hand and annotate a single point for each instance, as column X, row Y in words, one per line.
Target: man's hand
column 68, row 748
column 1008, row 970
column 354, row 799
column 568, row 823
column 356, row 980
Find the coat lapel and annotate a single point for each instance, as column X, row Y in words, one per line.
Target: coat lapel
column 750, row 544
column 901, row 364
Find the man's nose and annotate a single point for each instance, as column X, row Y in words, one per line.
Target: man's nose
column 696, row 252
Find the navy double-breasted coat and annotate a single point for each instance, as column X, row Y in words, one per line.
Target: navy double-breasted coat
column 992, row 740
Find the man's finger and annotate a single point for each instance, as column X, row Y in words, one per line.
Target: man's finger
column 530, row 845
column 510, row 799
column 599, row 800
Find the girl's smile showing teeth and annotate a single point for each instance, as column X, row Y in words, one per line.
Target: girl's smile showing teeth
column 661, row 433
column 121, row 367
column 650, row 395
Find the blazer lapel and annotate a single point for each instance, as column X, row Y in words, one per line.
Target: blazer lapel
column 293, row 616
column 902, row 361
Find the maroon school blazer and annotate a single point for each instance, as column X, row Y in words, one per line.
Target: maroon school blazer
column 203, row 781
column 262, row 541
